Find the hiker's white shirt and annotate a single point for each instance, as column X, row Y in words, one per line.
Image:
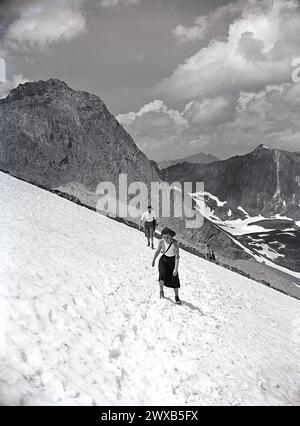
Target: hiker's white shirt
column 148, row 217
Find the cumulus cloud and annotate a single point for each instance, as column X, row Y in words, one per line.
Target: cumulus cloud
column 155, row 109
column 258, row 50
column 238, row 84
column 214, row 24
column 210, row 111
column 270, row 117
column 155, row 127
column 40, row 24
column 43, row 23
column 223, row 126
column 197, row 32
column 163, row 132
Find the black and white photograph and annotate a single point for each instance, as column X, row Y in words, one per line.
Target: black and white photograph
column 149, row 205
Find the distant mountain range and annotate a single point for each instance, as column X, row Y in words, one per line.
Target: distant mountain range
column 255, row 198
column 196, row 158
column 265, row 181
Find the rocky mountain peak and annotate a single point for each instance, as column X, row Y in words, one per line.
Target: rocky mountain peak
column 37, row 88
column 53, row 135
column 261, row 147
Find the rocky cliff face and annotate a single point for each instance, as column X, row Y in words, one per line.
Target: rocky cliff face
column 265, row 181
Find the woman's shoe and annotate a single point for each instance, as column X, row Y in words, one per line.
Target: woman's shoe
column 177, row 300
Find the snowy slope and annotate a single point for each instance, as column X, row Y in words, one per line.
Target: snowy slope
column 81, row 322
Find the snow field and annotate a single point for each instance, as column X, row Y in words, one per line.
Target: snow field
column 82, row 323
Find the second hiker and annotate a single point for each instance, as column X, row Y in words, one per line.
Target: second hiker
column 148, row 219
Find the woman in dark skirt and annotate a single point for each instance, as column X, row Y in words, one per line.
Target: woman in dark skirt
column 168, row 263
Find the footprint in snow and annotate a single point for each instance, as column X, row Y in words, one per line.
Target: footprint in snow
column 23, row 356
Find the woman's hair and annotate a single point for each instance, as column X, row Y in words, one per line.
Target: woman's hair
column 168, row 231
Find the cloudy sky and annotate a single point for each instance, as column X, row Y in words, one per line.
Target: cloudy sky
column 182, row 76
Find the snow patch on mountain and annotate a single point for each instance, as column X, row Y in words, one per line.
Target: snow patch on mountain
column 243, row 226
column 263, row 259
column 279, row 245
column 277, row 161
column 265, row 250
column 243, row 211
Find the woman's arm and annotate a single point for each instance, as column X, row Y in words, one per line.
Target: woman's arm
column 157, row 252
column 176, row 245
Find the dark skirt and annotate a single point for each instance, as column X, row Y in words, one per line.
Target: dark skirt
column 166, row 267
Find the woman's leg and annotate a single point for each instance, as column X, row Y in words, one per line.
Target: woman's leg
column 176, row 291
column 151, row 237
column 147, row 233
column 161, row 289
